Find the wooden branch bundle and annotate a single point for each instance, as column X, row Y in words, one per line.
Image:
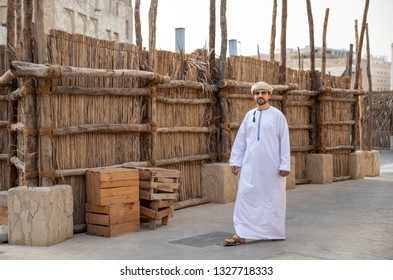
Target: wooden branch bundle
column 301, row 126
column 82, row 171
column 192, row 129
column 17, row 127
column 303, row 148
column 337, row 123
column 18, row 163
column 187, row 84
column 3, row 156
column 304, row 92
column 104, row 128
column 343, row 91
column 6, row 79
column 162, row 162
column 4, row 123
column 22, row 69
column 184, row 101
column 344, row 147
column 336, row 99
column 103, row 91
column 246, row 96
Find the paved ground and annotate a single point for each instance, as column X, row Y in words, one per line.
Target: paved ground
column 349, row 220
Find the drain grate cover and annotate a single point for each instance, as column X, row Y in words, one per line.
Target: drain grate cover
column 203, row 240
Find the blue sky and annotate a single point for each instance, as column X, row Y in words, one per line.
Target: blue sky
column 249, row 22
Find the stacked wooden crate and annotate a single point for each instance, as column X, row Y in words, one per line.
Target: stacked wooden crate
column 158, row 191
column 112, row 197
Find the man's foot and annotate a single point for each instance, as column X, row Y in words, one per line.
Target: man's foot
column 235, row 240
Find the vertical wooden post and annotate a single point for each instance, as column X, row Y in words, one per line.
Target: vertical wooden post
column 312, row 48
column 45, row 125
column 138, row 32
column 225, row 142
column 273, row 32
column 212, row 41
column 358, row 75
column 152, row 34
column 12, row 105
column 283, row 65
column 323, row 68
column 370, row 96
column 31, row 146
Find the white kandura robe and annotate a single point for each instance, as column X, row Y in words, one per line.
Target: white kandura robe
column 261, row 149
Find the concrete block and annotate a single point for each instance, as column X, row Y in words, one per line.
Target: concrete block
column 218, row 183
column 40, row 216
column 320, row 168
column 291, row 178
column 356, row 165
column 372, row 163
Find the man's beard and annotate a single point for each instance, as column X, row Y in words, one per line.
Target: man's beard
column 261, row 101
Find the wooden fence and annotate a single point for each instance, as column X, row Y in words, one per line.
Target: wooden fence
column 96, row 107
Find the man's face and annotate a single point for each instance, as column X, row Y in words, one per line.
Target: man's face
column 260, row 95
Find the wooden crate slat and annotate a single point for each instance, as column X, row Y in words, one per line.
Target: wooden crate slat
column 156, row 196
column 116, row 184
column 159, row 185
column 112, row 230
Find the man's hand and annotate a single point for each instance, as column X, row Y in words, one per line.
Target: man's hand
column 235, row 170
column 283, row 173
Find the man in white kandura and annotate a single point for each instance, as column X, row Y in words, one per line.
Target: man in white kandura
column 262, row 151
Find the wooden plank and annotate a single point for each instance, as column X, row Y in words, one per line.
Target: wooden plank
column 3, row 215
column 115, row 184
column 148, row 174
column 159, row 185
column 156, row 196
column 118, row 199
column 119, row 174
column 97, row 219
column 112, row 231
column 134, row 191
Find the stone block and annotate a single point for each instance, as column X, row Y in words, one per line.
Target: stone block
column 40, row 216
column 356, row 165
column 218, row 183
column 320, row 168
column 291, row 178
column 372, row 163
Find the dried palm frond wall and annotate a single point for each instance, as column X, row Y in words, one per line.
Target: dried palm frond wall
column 98, row 120
column 382, row 120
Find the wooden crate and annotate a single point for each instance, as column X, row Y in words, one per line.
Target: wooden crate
column 112, row 220
column 158, row 191
column 106, row 186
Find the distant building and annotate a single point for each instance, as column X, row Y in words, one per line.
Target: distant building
column 336, row 60
column 380, row 70
column 101, row 19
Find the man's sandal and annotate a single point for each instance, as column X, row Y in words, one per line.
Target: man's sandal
column 235, row 240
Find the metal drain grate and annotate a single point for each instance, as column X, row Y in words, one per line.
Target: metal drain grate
column 203, row 240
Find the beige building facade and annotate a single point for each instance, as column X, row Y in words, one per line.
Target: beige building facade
column 101, row 19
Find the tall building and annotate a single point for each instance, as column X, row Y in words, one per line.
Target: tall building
column 101, row 19
column 381, row 70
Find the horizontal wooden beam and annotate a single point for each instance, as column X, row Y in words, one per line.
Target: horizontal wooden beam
column 23, row 69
